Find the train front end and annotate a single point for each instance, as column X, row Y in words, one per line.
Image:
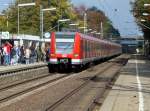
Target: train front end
column 63, row 50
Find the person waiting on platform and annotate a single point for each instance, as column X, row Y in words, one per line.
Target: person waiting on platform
column 27, row 55
column 7, row 51
column 1, row 56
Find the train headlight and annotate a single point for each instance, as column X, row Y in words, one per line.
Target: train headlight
column 52, row 55
column 76, row 55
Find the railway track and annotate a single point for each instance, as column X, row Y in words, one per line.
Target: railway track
column 61, row 98
column 18, row 74
column 102, row 78
column 11, row 69
column 7, row 91
column 10, row 92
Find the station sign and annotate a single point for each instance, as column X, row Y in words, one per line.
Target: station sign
column 5, row 35
column 47, row 35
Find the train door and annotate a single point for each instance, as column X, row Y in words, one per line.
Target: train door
column 84, row 48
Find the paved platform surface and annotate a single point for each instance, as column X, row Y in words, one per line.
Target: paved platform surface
column 131, row 91
column 20, row 66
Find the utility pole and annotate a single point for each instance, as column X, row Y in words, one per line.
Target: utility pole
column 85, row 22
column 102, row 32
column 7, row 21
column 41, row 21
column 18, row 21
column 23, row 5
column 42, row 18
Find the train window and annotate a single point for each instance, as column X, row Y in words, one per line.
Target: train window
column 84, row 45
column 64, row 47
column 88, row 46
column 65, row 36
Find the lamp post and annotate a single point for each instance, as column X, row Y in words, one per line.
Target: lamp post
column 146, row 5
column 145, row 14
column 143, row 20
column 93, row 32
column 62, row 20
column 102, row 31
column 75, row 26
column 85, row 22
column 84, row 29
column 23, row 5
column 41, row 18
column 89, row 29
column 6, row 13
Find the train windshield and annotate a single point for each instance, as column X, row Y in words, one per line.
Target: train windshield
column 64, row 43
column 64, row 47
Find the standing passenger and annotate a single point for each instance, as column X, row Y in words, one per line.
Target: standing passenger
column 27, row 55
column 43, row 52
column 47, row 54
column 1, row 55
column 18, row 53
column 22, row 54
column 39, row 54
column 13, row 56
column 7, row 49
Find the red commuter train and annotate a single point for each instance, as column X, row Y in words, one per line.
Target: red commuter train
column 74, row 49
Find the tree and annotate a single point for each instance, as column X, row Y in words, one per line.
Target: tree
column 94, row 19
column 138, row 10
column 30, row 15
column 3, row 23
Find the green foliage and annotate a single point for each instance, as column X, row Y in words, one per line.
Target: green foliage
column 110, row 31
column 138, row 10
column 30, row 15
column 94, row 19
column 3, row 23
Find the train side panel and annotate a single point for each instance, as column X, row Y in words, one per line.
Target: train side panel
column 77, row 50
column 85, row 49
column 53, row 58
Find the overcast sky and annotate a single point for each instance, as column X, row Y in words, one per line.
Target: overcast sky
column 117, row 10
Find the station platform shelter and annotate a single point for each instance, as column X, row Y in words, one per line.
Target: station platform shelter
column 26, row 40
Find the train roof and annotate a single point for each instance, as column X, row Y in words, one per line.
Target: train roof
column 66, row 33
column 98, row 39
column 87, row 37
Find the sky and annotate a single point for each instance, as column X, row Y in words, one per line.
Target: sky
column 118, row 12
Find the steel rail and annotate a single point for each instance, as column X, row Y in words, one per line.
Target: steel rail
column 23, row 68
column 68, row 95
column 30, row 89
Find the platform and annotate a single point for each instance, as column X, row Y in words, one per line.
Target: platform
column 20, row 67
column 131, row 91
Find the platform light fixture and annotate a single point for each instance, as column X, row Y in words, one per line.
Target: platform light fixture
column 23, row 5
column 146, row 5
column 62, row 20
column 143, row 20
column 82, row 27
column 145, row 14
column 42, row 19
column 74, row 24
column 93, row 32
